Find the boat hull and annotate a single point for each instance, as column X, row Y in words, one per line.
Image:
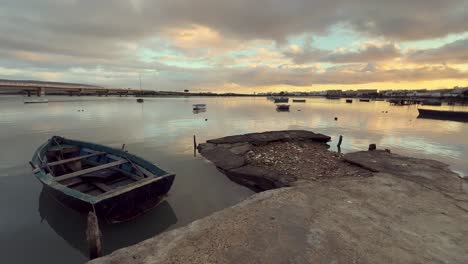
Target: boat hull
column 118, row 208
column 443, row 115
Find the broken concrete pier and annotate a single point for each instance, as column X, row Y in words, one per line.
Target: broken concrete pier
column 363, row 207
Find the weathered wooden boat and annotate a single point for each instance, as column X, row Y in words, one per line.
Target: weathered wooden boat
column 282, row 107
column 443, row 115
column 299, row 100
column 349, row 101
column 140, row 100
column 36, row 101
column 116, row 185
column 281, row 100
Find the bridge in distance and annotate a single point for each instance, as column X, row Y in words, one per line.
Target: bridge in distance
column 41, row 88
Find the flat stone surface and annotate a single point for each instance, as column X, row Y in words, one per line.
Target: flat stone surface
column 259, row 178
column 432, row 173
column 271, row 136
column 223, row 158
column 380, row 219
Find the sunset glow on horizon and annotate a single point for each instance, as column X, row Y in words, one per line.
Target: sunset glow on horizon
column 237, row 46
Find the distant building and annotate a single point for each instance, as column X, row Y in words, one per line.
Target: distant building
column 334, row 93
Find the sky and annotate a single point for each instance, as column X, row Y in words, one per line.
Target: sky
column 237, row 45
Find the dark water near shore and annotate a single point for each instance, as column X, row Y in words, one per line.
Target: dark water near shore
column 34, row 228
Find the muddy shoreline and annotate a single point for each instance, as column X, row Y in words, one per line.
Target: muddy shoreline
column 316, row 206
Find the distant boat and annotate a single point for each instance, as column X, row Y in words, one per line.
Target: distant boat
column 36, row 101
column 378, row 99
column 349, row 101
column 199, row 110
column 115, row 184
column 398, row 102
column 140, row 100
column 199, row 106
column 333, row 97
column 299, row 100
column 443, row 115
column 432, row 102
column 282, row 107
column 364, row 100
column 281, row 100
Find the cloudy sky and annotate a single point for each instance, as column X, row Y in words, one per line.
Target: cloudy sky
column 237, row 45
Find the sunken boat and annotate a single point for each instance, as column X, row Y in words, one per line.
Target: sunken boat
column 116, row 185
column 443, row 115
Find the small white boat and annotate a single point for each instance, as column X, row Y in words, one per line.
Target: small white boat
column 36, row 101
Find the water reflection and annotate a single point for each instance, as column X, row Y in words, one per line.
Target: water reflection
column 71, row 226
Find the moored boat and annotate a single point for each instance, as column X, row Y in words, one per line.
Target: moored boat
column 36, row 101
column 443, row 115
column 140, row 100
column 299, row 100
column 116, row 185
column 281, row 100
column 349, row 101
column 433, row 102
column 282, row 107
column 199, row 106
column 364, row 100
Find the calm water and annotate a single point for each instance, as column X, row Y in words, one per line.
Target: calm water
column 34, row 228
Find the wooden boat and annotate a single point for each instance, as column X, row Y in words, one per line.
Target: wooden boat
column 299, row 100
column 364, row 100
column 116, row 185
column 282, row 107
column 140, row 100
column 36, row 101
column 281, row 100
column 349, row 101
column 443, row 115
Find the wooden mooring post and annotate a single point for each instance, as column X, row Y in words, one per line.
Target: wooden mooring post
column 194, row 146
column 93, row 236
column 339, row 143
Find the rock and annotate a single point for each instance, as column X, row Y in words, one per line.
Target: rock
column 242, row 149
column 258, row 178
column 430, row 173
column 271, row 136
column 381, row 219
column 223, row 158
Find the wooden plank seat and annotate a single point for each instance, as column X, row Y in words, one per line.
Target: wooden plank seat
column 55, row 163
column 89, row 170
column 126, row 173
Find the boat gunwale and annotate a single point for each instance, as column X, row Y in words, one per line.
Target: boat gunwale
column 50, row 180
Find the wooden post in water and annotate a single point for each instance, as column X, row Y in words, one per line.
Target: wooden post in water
column 194, row 146
column 93, row 235
column 339, row 143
